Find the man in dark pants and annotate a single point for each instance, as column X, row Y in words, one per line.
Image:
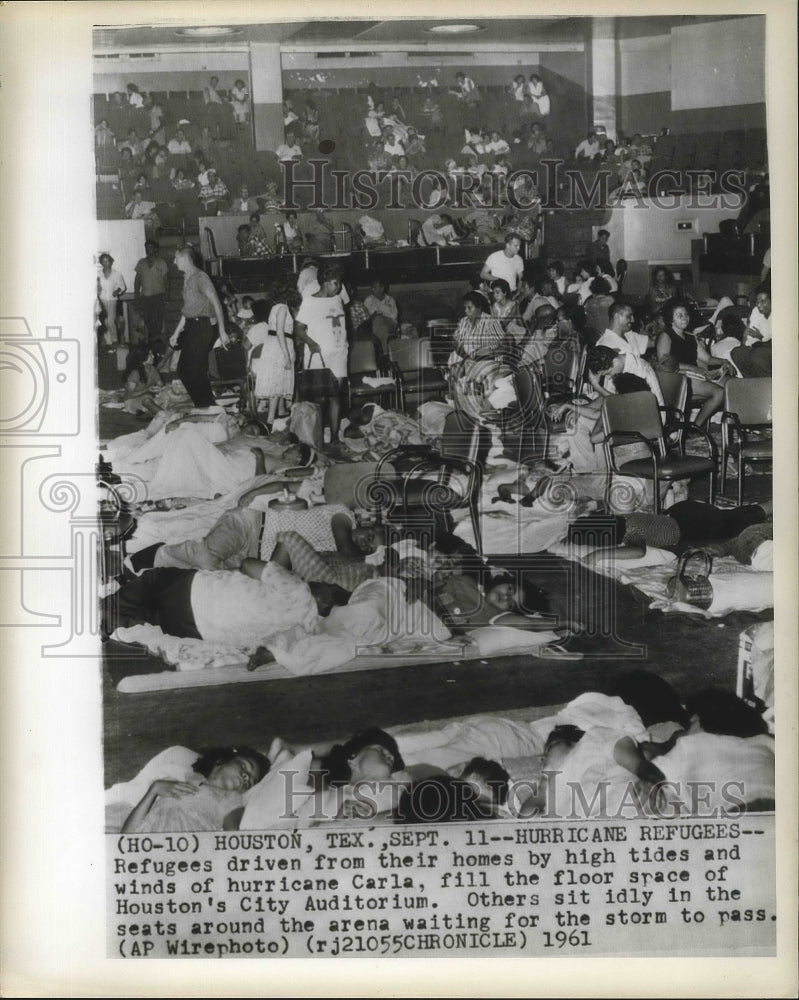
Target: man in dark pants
column 151, row 287
column 202, row 321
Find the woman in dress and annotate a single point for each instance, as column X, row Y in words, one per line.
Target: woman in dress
column 661, row 290
column 505, row 309
column 240, row 100
column 679, row 350
column 274, row 329
column 477, row 336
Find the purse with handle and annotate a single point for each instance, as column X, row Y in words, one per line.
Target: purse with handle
column 692, row 588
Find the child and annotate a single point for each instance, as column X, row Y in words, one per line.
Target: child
column 245, row 313
column 467, row 605
column 141, row 380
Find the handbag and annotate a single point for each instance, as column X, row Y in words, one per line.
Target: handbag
column 692, row 588
column 311, row 383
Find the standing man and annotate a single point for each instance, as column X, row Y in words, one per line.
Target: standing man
column 506, row 263
column 202, row 321
column 151, row 287
column 110, row 288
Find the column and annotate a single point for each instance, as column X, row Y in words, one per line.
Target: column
column 267, row 94
column 603, row 73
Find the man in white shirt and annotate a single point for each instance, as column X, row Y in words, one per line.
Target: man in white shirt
column 754, row 359
column 179, row 146
column 288, row 150
column 506, row 263
column 392, row 146
column 759, row 328
column 239, row 608
column 380, row 302
column 620, row 335
column 588, row 150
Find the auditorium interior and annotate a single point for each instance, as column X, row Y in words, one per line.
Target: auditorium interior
column 630, row 152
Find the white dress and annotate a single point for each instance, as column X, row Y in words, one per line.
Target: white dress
column 272, row 378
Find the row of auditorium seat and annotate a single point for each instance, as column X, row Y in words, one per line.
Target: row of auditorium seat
column 730, row 150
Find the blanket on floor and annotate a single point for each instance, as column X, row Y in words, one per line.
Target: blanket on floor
column 735, row 587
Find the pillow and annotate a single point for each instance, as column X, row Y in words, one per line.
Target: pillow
column 267, row 802
column 497, row 638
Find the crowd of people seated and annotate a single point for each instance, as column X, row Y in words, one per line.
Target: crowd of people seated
column 165, row 145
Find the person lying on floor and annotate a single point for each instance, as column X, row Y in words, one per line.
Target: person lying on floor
column 736, row 531
column 208, row 798
column 466, row 603
column 206, row 459
column 724, row 733
column 366, row 776
column 241, row 534
column 241, row 609
column 383, row 583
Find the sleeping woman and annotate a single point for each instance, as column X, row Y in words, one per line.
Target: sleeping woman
column 366, row 776
column 205, row 800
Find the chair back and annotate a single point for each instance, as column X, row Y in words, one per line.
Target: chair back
column 465, row 438
column 674, row 387
column 749, row 399
column 363, row 358
column 562, row 365
column 414, row 232
column 411, row 355
column 529, row 395
column 211, row 243
column 634, row 411
column 256, row 352
column 231, row 362
column 442, row 339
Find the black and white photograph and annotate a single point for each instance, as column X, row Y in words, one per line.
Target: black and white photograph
column 412, row 499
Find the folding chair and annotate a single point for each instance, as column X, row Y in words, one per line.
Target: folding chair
column 421, row 380
column 747, row 407
column 363, row 361
column 635, row 418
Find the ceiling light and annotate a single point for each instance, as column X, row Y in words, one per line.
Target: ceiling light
column 208, row 32
column 454, row 29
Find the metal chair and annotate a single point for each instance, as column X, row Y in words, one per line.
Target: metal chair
column 562, row 371
column 747, row 407
column 230, row 375
column 363, row 361
column 441, row 332
column 534, row 430
column 426, row 484
column 635, row 418
column 421, row 380
column 674, row 387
